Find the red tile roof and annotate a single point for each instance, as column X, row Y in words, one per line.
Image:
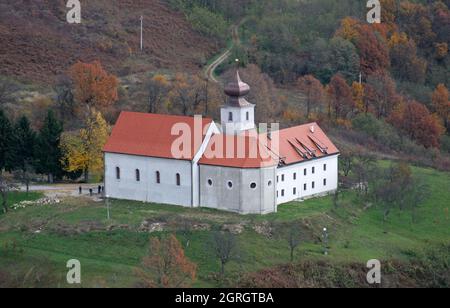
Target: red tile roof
column 301, row 143
column 145, row 134
column 237, row 152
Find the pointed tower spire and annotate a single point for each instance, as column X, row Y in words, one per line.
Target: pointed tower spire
column 238, row 115
column 236, row 90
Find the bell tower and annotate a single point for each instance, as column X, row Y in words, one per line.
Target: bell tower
column 237, row 115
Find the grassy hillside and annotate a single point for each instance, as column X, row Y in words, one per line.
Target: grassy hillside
column 109, row 251
column 37, row 43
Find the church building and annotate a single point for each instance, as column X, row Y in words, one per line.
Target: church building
column 230, row 166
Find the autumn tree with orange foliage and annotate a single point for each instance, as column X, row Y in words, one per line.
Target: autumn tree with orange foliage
column 406, row 65
column 158, row 88
column 416, row 20
column 340, row 97
column 384, row 97
column 358, row 97
column 370, row 40
column 349, row 29
column 415, row 120
column 389, row 12
column 373, row 50
column 313, row 90
column 166, row 266
column 441, row 51
column 93, row 86
column 441, row 103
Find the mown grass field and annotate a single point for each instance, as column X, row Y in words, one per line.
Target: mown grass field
column 37, row 236
column 16, row 197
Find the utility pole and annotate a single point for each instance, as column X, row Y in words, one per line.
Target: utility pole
column 142, row 32
column 108, row 215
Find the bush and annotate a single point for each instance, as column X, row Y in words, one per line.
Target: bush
column 378, row 130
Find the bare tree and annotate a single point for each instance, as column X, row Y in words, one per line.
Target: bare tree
column 186, row 229
column 363, row 169
column 6, row 185
column 346, row 161
column 25, row 175
column 396, row 187
column 158, row 88
column 65, row 98
column 225, row 247
column 292, row 234
column 336, row 199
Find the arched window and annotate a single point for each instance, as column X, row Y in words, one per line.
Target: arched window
column 138, row 175
column 230, row 117
column 178, row 179
column 117, row 173
column 158, row 177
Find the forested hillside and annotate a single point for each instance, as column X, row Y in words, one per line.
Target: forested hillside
column 382, row 82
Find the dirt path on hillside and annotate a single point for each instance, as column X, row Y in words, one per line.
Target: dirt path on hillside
column 211, row 68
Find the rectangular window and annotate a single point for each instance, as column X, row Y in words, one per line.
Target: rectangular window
column 282, row 178
column 313, row 185
column 324, row 182
column 295, row 176
column 282, row 193
column 305, row 187
column 324, row 167
column 313, row 170
column 278, row 179
column 295, row 191
column 178, row 179
column 304, row 172
column 248, row 116
column 158, row 177
column 230, row 117
column 138, row 175
column 277, row 194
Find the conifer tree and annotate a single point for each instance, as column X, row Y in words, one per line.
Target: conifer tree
column 24, row 151
column 48, row 152
column 6, row 140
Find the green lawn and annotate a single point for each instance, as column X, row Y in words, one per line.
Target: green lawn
column 16, row 197
column 108, row 258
